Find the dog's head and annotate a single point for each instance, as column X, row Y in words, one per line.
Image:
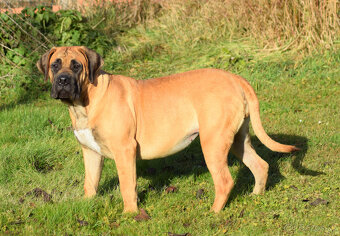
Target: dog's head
column 70, row 70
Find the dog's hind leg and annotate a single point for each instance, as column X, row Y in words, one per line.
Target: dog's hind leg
column 243, row 149
column 215, row 152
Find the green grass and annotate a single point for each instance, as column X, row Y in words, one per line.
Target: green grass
column 299, row 105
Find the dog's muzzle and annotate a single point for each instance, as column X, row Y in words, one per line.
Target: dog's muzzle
column 65, row 86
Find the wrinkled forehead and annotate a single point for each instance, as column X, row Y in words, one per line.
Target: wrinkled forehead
column 66, row 54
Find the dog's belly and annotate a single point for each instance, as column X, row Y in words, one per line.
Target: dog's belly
column 182, row 143
column 85, row 137
column 154, row 151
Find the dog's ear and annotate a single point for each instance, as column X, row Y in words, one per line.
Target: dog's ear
column 94, row 61
column 43, row 63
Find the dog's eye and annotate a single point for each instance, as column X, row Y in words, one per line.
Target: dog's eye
column 54, row 67
column 76, row 67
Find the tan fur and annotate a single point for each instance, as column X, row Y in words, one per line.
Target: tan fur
column 153, row 118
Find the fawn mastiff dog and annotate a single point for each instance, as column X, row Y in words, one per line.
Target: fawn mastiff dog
column 124, row 119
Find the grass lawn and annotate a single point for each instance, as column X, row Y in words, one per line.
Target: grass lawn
column 41, row 169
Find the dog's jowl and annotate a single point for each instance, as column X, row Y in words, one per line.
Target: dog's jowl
column 113, row 116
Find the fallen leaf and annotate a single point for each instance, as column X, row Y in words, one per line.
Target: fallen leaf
column 186, row 225
column 319, row 201
column 228, row 222
column 241, row 213
column 82, row 222
column 171, row 189
column 114, row 225
column 294, row 187
column 173, row 234
column 212, row 225
column 38, row 192
column 17, row 222
column 142, row 216
column 199, row 193
column 49, row 121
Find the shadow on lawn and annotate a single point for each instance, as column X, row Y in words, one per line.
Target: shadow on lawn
column 244, row 181
column 191, row 162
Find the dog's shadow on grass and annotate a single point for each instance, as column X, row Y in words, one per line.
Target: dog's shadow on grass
column 244, row 181
column 190, row 161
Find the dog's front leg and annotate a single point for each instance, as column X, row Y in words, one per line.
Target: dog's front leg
column 125, row 158
column 93, row 167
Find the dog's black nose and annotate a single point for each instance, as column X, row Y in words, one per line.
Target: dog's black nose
column 63, row 80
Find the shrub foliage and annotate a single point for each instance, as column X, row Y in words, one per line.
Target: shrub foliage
column 167, row 27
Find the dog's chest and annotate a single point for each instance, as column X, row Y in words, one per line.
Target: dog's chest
column 86, row 138
column 81, row 130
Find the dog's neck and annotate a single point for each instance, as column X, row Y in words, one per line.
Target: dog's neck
column 79, row 107
column 78, row 115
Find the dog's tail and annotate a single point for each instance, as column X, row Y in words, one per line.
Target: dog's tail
column 254, row 110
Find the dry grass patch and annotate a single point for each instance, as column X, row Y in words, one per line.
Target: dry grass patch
column 276, row 25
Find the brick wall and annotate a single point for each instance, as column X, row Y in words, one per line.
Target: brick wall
column 16, row 6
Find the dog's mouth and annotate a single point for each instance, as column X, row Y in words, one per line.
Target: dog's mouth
column 63, row 94
column 65, row 87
